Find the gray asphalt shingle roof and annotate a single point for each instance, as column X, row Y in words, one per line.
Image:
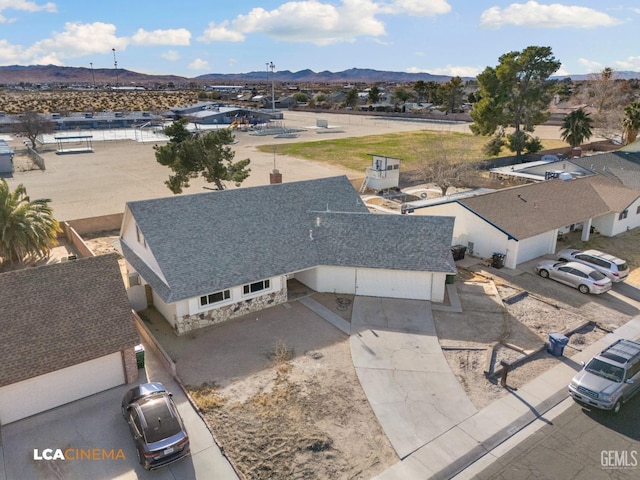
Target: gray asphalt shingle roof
column 56, row 316
column 621, row 165
column 215, row 240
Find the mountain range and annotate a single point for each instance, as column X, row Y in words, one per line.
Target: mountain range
column 55, row 75
column 52, row 74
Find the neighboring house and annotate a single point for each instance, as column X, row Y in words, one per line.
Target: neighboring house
column 208, row 257
column 6, row 157
column 621, row 165
column 523, row 222
column 67, row 332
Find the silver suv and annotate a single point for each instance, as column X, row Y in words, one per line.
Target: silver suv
column 613, row 267
column 610, row 378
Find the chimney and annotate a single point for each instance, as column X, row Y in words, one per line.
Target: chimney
column 275, row 177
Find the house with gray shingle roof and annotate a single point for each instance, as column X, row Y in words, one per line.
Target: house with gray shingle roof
column 523, row 222
column 208, row 257
column 66, row 332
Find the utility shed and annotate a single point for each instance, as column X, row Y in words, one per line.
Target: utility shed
column 6, row 158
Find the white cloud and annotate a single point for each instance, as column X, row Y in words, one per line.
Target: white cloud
column 220, row 33
column 178, row 36
column 631, row 63
column 451, row 70
column 25, row 6
column 198, row 64
column 420, row 8
column 78, row 39
column 592, row 66
column 318, row 22
column 10, row 54
column 170, row 55
column 532, row 14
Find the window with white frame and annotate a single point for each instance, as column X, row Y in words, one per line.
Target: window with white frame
column 623, row 214
column 256, row 287
column 140, row 236
column 216, row 297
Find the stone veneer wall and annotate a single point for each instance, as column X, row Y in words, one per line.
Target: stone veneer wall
column 188, row 323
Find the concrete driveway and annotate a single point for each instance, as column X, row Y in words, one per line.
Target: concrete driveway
column 96, row 423
column 404, row 373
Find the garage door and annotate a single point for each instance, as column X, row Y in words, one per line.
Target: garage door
column 534, row 247
column 26, row 398
column 393, row 283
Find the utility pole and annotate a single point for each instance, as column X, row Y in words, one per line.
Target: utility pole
column 93, row 77
column 272, row 67
column 115, row 66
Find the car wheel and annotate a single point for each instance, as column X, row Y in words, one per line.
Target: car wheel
column 583, row 289
column 544, row 273
column 616, row 408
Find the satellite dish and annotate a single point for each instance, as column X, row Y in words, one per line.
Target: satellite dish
column 565, row 176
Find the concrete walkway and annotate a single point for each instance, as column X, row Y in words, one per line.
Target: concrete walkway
column 404, row 373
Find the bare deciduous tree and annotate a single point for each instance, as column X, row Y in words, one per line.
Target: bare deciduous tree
column 32, row 125
column 443, row 165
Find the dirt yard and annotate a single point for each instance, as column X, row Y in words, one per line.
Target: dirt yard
column 305, row 418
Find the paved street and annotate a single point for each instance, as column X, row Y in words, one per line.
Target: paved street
column 580, row 443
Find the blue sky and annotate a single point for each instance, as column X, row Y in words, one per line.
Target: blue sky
column 191, row 37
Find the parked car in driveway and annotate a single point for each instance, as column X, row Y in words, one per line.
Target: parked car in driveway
column 614, row 268
column 610, row 378
column 574, row 274
column 156, row 425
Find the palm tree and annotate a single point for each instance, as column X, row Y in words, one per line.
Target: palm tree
column 631, row 122
column 576, row 128
column 27, row 227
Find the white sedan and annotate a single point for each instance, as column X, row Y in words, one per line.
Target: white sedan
column 576, row 275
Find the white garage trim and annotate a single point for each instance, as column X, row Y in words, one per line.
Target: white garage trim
column 35, row 395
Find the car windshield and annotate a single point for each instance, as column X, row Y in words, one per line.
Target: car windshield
column 622, row 266
column 605, row 370
column 597, row 275
column 160, row 420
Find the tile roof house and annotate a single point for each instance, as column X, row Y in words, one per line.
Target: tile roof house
column 66, row 332
column 523, row 222
column 211, row 256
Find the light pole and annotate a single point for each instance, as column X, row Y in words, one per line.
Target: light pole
column 272, row 67
column 93, row 77
column 115, row 66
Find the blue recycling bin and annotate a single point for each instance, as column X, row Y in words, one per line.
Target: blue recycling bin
column 557, row 342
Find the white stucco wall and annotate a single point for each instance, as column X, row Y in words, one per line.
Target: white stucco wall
column 34, row 395
column 168, row 310
column 536, row 246
column 610, row 225
column 128, row 235
column 468, row 227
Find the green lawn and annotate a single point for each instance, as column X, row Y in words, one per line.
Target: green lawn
column 410, row 147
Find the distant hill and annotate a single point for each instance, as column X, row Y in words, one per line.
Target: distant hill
column 626, row 75
column 52, row 74
column 353, row 75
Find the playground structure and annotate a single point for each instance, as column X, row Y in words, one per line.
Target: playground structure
column 275, row 128
column 82, row 143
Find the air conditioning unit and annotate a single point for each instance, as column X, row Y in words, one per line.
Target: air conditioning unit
column 134, row 279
